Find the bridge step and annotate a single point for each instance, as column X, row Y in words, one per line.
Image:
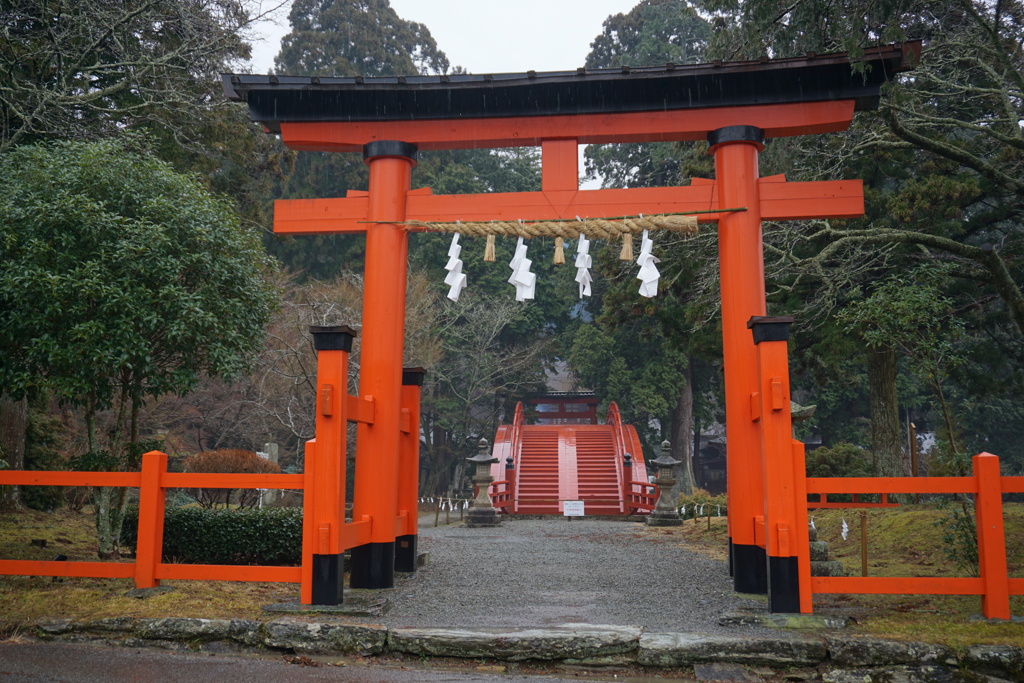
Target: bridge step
column 550, row 453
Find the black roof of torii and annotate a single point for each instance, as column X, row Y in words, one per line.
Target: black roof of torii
column 276, row 99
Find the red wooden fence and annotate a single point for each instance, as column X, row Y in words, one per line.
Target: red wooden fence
column 153, row 481
column 993, row 584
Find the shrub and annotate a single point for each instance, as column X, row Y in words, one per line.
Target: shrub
column 841, row 460
column 702, row 497
column 222, row 461
column 262, row 536
column 960, row 536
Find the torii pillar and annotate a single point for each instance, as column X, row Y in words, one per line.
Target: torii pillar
column 733, row 106
column 741, row 264
column 377, row 444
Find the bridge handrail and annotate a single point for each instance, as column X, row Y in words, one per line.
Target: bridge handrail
column 502, row 489
column 635, row 494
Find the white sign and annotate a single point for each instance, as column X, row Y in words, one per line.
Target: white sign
column 573, row 508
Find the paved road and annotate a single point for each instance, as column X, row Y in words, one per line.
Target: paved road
column 100, row 664
column 542, row 572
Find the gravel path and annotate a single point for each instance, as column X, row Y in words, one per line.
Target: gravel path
column 542, row 572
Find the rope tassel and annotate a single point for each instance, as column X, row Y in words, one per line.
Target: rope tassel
column 489, row 254
column 559, row 251
column 627, row 247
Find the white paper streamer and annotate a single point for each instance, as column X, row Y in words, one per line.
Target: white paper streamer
column 812, row 523
column 455, row 279
column 648, row 274
column 846, row 529
column 525, row 282
column 583, row 264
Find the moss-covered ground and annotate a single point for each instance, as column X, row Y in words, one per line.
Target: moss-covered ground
column 902, row 541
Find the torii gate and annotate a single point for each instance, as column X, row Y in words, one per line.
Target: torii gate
column 734, row 106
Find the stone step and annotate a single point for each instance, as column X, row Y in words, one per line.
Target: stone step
column 828, row 568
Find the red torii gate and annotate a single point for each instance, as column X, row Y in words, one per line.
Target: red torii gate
column 734, row 106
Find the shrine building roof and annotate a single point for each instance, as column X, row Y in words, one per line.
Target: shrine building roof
column 810, row 78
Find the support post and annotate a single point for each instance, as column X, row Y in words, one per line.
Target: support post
column 741, row 263
column 409, row 470
column 785, row 521
column 627, row 476
column 149, row 548
column 323, row 564
column 380, row 376
column 988, row 511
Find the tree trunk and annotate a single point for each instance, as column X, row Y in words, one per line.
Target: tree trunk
column 886, row 439
column 682, row 436
column 13, row 421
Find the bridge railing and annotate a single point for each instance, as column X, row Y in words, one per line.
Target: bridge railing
column 987, row 486
column 503, row 495
column 637, row 496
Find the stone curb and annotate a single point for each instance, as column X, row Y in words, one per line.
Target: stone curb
column 571, row 643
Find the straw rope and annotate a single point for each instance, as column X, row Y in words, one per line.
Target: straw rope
column 593, row 228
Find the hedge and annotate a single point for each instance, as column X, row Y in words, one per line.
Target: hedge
column 261, row 536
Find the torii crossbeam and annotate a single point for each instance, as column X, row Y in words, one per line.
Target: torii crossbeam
column 734, row 106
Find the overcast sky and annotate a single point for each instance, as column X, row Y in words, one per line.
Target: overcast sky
column 490, row 36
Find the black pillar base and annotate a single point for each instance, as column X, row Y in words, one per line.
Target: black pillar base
column 783, row 585
column 373, row 566
column 328, row 578
column 730, row 556
column 750, row 571
column 405, row 553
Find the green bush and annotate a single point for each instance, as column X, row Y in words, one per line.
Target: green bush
column 840, row 460
column 261, row 536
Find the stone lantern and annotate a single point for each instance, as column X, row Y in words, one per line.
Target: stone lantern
column 481, row 510
column 664, row 513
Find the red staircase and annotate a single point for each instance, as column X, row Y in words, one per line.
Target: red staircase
column 537, row 485
column 597, row 470
column 554, row 463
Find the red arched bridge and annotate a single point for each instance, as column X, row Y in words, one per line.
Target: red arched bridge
column 541, row 466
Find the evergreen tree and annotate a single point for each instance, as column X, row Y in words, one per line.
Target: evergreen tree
column 342, row 38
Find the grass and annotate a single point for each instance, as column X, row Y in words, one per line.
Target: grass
column 26, row 599
column 901, row 542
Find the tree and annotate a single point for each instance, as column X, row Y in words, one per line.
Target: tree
column 942, row 166
column 124, row 281
column 79, row 70
column 958, row 113
column 654, row 32
column 645, row 357
column 356, row 37
column 342, row 38
column 484, row 367
column 13, row 420
column 910, row 314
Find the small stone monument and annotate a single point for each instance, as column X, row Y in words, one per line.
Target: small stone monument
column 664, row 513
column 481, row 510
